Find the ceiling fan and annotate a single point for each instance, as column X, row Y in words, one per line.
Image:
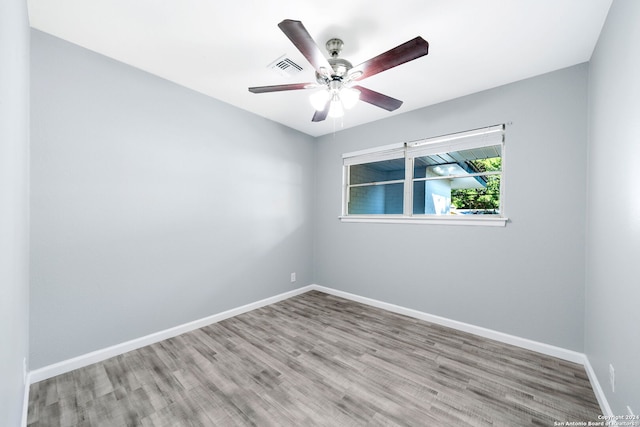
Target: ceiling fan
column 336, row 78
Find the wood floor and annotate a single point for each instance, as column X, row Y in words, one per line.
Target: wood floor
column 319, row 360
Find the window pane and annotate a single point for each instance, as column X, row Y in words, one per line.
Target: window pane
column 463, row 195
column 376, row 199
column 387, row 170
column 482, row 197
column 458, row 163
column 467, row 195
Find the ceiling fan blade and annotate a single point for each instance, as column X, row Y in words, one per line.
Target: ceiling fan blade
column 319, row 116
column 405, row 52
column 300, row 37
column 378, row 99
column 278, row 88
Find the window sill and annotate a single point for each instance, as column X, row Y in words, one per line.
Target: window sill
column 479, row 220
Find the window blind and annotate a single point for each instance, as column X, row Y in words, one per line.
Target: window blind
column 493, row 135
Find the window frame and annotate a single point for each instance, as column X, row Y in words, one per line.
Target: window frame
column 476, row 138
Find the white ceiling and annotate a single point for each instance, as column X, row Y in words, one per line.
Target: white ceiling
column 220, row 48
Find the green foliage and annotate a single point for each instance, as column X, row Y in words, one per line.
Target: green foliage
column 485, row 199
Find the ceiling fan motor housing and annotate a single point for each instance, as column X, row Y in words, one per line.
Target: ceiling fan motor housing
column 340, row 66
column 334, row 46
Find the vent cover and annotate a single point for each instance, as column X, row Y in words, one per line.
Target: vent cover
column 285, row 66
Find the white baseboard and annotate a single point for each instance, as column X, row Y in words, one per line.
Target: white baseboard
column 597, row 389
column 81, row 361
column 549, row 350
column 100, row 355
column 25, row 400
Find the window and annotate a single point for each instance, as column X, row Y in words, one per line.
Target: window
column 454, row 179
column 376, row 187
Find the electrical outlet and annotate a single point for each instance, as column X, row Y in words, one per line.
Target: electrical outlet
column 612, row 378
column 293, row 277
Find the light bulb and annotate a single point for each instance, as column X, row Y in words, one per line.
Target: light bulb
column 349, row 97
column 319, row 99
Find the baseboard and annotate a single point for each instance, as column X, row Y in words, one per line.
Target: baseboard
column 100, row 355
column 69, row 365
column 597, row 389
column 25, row 400
column 550, row 350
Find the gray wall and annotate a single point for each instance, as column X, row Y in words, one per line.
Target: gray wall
column 152, row 205
column 525, row 279
column 613, row 293
column 14, row 207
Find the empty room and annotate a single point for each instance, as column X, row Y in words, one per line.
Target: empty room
column 413, row 213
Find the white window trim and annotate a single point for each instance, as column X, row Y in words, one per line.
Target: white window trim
column 413, row 149
column 480, row 220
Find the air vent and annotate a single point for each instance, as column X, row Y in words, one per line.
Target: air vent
column 285, row 66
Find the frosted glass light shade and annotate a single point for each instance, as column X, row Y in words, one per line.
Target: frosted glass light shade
column 349, row 97
column 319, row 99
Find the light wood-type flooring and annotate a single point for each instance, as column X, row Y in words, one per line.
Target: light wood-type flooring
column 319, row 360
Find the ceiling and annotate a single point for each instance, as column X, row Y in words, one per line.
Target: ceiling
column 220, row 48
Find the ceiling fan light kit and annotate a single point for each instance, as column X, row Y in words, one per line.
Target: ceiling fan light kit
column 339, row 96
column 336, row 77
